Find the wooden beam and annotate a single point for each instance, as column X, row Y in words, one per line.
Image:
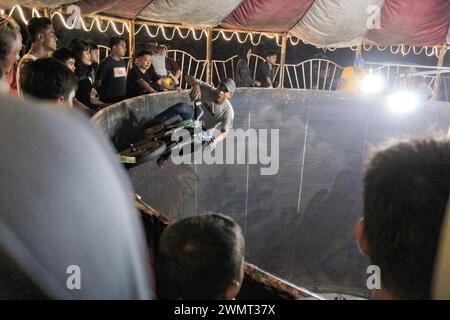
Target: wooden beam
column 209, row 56
column 283, row 58
column 247, row 31
column 113, row 19
column 170, row 25
column 440, row 64
column 358, row 53
column 131, row 42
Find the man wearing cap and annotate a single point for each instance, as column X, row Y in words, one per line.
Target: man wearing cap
column 352, row 76
column 218, row 112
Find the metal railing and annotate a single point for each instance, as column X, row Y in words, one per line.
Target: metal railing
column 188, row 65
column 221, row 69
column 312, row 74
column 396, row 76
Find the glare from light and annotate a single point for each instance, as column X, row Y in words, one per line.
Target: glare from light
column 372, row 84
column 403, row 102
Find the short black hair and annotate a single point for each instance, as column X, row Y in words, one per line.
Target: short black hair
column 144, row 53
column 114, row 41
column 78, row 46
column 199, row 257
column 406, row 190
column 47, row 79
column 270, row 53
column 36, row 26
column 92, row 45
column 63, row 54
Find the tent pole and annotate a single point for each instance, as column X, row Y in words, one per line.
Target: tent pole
column 283, row 58
column 440, row 64
column 358, row 53
column 131, row 42
column 208, row 55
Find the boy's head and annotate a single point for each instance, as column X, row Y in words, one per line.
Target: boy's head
column 10, row 43
column 406, row 189
column 165, row 50
column 160, row 50
column 200, row 257
column 95, row 52
column 118, row 46
column 40, row 31
column 82, row 51
column 144, row 59
column 66, row 57
column 271, row 57
column 48, row 79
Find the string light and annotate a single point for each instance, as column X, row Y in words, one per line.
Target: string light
column 403, row 52
column 238, row 38
column 96, row 21
column 35, row 13
column 395, row 51
column 365, row 49
column 148, row 31
column 293, row 43
column 21, row 14
column 176, row 29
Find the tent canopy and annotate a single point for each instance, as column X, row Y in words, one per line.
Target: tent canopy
column 336, row 23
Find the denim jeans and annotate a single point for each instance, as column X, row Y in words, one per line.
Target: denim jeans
column 184, row 110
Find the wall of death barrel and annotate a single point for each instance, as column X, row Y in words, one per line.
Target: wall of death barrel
column 299, row 222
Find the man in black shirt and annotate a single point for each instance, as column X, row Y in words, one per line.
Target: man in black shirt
column 141, row 78
column 266, row 70
column 111, row 74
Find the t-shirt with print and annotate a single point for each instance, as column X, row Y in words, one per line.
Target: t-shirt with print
column 111, row 80
column 216, row 116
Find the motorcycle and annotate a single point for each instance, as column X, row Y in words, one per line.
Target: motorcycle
column 159, row 142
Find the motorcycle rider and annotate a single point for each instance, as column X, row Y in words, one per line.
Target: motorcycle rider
column 218, row 112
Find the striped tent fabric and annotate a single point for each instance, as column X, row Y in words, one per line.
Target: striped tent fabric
column 324, row 23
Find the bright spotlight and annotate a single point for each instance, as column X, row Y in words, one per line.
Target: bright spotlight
column 372, row 84
column 403, row 102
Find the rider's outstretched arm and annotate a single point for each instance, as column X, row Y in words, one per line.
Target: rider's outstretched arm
column 219, row 138
column 191, row 80
column 194, row 83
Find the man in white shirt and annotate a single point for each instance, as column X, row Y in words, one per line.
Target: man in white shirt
column 43, row 41
column 218, row 112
